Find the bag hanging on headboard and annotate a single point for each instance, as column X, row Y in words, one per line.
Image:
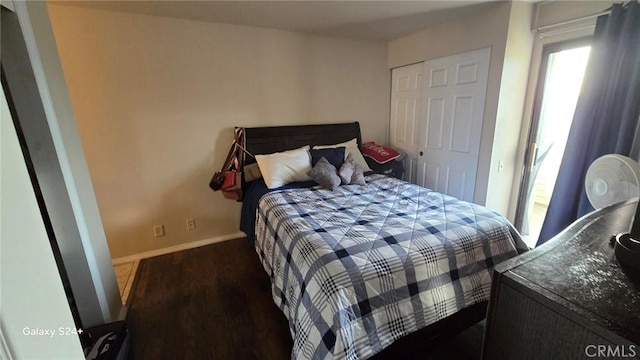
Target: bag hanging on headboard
column 229, row 179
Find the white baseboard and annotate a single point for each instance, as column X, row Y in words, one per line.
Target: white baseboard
column 171, row 249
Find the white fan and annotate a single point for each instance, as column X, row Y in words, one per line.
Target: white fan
column 612, row 179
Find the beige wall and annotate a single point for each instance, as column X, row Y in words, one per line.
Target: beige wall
column 156, row 98
column 486, row 28
column 513, row 89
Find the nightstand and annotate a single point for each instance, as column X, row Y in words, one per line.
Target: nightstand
column 392, row 168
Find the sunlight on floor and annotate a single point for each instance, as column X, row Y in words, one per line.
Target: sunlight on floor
column 536, row 220
column 125, row 275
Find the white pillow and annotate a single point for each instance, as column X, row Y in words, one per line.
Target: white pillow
column 351, row 147
column 279, row 169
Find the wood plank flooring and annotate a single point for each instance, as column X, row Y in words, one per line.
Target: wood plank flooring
column 214, row 302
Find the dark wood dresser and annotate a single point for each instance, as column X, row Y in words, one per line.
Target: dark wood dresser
column 567, row 299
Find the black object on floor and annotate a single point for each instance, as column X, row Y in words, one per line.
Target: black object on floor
column 108, row 342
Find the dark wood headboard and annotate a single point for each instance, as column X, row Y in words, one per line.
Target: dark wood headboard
column 267, row 140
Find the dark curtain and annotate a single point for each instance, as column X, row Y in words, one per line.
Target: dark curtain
column 607, row 115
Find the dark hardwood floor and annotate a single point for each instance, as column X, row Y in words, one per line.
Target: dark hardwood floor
column 214, row 302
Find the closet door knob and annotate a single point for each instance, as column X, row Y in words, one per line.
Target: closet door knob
column 421, row 153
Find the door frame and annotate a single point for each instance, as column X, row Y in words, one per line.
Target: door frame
column 532, row 133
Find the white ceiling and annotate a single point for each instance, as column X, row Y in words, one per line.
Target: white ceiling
column 374, row 20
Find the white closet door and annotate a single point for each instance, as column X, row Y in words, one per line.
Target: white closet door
column 450, row 132
column 406, row 113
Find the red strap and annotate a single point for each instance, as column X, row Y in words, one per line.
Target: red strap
column 235, row 157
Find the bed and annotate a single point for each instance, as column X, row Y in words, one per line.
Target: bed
column 369, row 270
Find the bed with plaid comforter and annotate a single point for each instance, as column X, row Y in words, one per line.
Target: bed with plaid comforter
column 357, row 268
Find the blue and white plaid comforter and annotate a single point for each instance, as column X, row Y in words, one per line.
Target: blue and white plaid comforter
column 357, row 268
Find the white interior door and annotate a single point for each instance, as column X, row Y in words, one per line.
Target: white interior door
column 406, row 109
column 406, row 112
column 454, row 93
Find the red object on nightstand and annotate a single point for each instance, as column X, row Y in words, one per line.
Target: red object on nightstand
column 380, row 154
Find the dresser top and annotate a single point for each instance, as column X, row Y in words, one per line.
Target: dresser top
column 579, row 270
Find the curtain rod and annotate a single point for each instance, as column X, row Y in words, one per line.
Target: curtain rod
column 572, row 21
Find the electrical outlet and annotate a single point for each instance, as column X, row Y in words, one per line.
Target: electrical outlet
column 158, row 230
column 191, row 224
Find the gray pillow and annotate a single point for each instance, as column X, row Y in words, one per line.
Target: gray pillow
column 351, row 173
column 347, row 169
column 358, row 176
column 325, row 174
